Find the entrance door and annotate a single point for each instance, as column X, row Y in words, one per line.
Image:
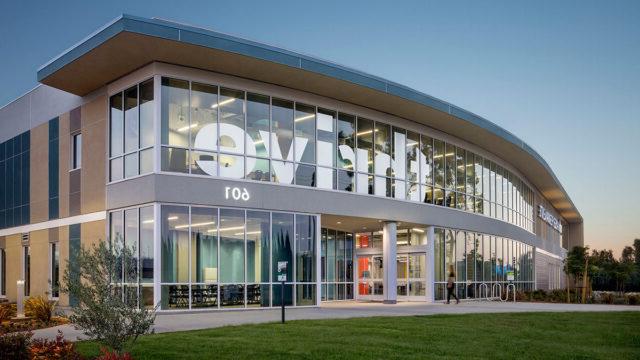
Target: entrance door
column 370, row 281
column 411, row 276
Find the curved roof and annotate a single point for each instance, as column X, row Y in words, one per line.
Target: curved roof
column 129, row 42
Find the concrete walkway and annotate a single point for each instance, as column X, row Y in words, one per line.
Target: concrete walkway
column 337, row 310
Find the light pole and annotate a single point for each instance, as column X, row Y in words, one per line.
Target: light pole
column 20, row 302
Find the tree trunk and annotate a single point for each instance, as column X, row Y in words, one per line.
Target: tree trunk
column 584, row 280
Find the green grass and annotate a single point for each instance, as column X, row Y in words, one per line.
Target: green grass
column 612, row 335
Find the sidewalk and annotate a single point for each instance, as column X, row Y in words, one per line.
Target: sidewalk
column 338, row 310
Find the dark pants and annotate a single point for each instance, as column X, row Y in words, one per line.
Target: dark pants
column 451, row 291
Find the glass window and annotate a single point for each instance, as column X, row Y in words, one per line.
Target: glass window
column 258, row 246
column 116, row 129
column 305, row 134
column 146, row 161
column 204, row 113
column 282, row 241
column 231, row 107
column 306, row 175
column 460, row 169
column 331, row 256
column 426, row 160
column 413, row 151
column 231, row 166
column 450, row 167
column 3, row 272
column 131, row 223
column 382, row 136
column 282, row 129
column 305, row 248
column 175, row 112
column 479, row 186
column 131, row 165
column 258, row 124
column 76, row 151
column 282, row 172
column 131, row 120
column 398, row 154
column 231, row 245
column 471, row 176
column 147, row 133
column 365, row 145
column 438, row 163
column 26, row 262
column 175, row 244
column 346, row 141
column 204, row 245
column 146, row 244
column 55, row 270
column 326, row 125
column 346, row 180
column 326, row 178
column 258, row 169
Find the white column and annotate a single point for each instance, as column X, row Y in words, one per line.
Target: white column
column 318, row 259
column 389, row 249
column 430, row 259
column 157, row 253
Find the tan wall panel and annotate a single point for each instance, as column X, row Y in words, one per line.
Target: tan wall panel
column 92, row 233
column 64, row 143
column 63, row 235
column 13, row 252
column 94, row 150
column 39, row 243
column 39, row 170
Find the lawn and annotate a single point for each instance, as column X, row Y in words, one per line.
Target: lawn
column 613, row 335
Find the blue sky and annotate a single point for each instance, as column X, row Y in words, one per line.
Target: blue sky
column 564, row 76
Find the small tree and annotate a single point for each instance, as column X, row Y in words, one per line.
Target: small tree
column 574, row 264
column 107, row 310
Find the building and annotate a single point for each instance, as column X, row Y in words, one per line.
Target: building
column 217, row 159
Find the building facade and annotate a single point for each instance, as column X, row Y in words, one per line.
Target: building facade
column 219, row 161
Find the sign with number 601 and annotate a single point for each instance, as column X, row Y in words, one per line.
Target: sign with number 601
column 236, row 193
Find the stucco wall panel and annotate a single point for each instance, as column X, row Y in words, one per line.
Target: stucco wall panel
column 94, row 153
column 39, row 170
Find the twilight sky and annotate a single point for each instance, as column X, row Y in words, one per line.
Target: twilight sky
column 564, row 76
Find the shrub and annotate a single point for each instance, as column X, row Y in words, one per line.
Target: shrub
column 103, row 311
column 43, row 349
column 607, row 298
column 39, row 308
column 15, row 346
column 105, row 354
column 6, row 312
column 558, row 295
column 633, row 299
column 539, row 295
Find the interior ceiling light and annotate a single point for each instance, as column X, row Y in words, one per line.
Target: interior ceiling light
column 224, row 102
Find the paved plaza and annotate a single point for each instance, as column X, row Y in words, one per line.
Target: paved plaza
column 169, row 322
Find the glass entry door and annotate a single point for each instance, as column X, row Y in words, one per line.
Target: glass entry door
column 411, row 277
column 370, row 273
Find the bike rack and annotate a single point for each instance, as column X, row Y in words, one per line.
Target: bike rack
column 486, row 291
column 496, row 294
column 506, row 298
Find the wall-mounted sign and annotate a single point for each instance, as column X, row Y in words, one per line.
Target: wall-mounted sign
column 236, row 193
column 510, row 276
column 549, row 219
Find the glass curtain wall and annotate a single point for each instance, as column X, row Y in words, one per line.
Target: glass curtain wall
column 131, row 131
column 478, row 258
column 133, row 228
column 336, row 265
column 215, row 131
column 228, row 258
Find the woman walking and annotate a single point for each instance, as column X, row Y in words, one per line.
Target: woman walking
column 451, row 286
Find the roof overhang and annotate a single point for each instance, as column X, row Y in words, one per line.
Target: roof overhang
column 129, row 42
